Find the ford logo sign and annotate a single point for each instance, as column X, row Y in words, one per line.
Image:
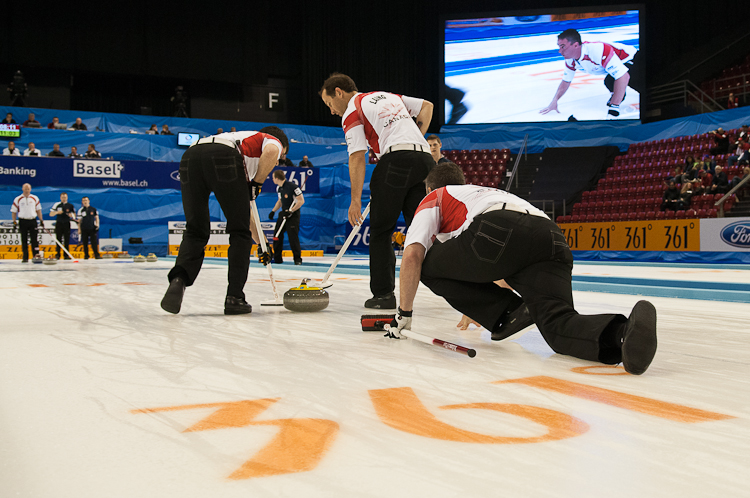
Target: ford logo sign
column 175, row 175
column 737, row 234
column 180, row 225
column 109, row 248
column 6, row 224
column 222, row 225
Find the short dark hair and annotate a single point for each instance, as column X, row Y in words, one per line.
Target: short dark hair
column 63, row 193
column 279, row 174
column 445, row 174
column 277, row 132
column 337, row 80
column 571, row 35
column 85, row 197
column 435, row 137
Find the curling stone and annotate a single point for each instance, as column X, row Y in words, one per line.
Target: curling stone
column 304, row 298
column 37, row 259
column 50, row 261
column 139, row 259
column 151, row 257
column 107, row 255
column 124, row 255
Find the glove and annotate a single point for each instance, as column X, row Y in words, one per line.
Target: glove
column 254, row 189
column 264, row 258
column 15, row 223
column 285, row 214
column 400, row 322
column 271, row 214
column 614, row 111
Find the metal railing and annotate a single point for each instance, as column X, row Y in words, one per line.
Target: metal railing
column 543, row 207
column 685, row 92
column 721, row 90
column 518, row 160
column 720, row 202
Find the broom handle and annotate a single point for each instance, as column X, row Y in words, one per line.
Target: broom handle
column 348, row 241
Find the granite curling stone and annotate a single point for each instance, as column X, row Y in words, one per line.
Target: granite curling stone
column 305, row 298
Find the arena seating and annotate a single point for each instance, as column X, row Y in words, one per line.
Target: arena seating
column 732, row 80
column 633, row 187
column 485, row 167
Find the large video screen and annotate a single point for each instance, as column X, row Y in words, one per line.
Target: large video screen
column 516, row 69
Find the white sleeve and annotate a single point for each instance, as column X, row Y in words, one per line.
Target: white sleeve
column 272, row 141
column 413, row 105
column 355, row 139
column 424, row 228
column 570, row 70
column 14, row 206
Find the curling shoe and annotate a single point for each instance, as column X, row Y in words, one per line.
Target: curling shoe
column 513, row 322
column 236, row 306
column 639, row 338
column 384, row 302
column 173, row 297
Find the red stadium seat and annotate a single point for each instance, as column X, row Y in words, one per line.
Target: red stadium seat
column 590, row 218
column 660, row 215
column 631, row 216
column 702, row 213
column 598, row 217
column 691, row 213
column 681, row 214
column 670, row 214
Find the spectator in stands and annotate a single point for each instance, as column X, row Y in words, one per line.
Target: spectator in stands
column 732, row 101
column 435, row 149
column 698, row 188
column 232, row 130
column 689, row 161
column 742, row 153
column 692, row 174
column 737, row 179
column 53, row 124
column 706, row 178
column 92, row 153
column 32, row 151
column 722, row 141
column 686, row 193
column 671, row 197
column 165, row 130
column 709, row 164
column 74, row 152
column 11, row 150
column 56, row 152
column 32, row 122
column 676, row 176
column 78, row 125
column 219, row 130
column 305, row 163
column 720, row 184
column 153, row 130
column 284, row 161
column 18, row 90
column 743, row 135
column 9, row 119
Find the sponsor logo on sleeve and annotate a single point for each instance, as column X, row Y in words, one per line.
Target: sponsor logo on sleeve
column 737, row 234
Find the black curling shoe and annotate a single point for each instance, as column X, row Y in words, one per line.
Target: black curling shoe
column 514, row 322
column 173, row 297
column 386, row 302
column 639, row 338
column 236, row 306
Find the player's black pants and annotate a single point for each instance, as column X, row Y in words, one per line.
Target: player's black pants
column 90, row 236
column 219, row 169
column 291, row 228
column 637, row 81
column 396, row 186
column 62, row 234
column 28, row 229
column 531, row 254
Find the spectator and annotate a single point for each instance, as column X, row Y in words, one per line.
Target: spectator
column 153, row 130
column 56, row 152
column 32, row 122
column 232, row 130
column 705, row 177
column 32, row 151
column 54, row 124
column 219, row 130
column 74, row 152
column 698, row 188
column 284, row 161
column 165, row 130
column 741, row 154
column 689, row 161
column 78, row 125
column 435, row 149
column 671, row 197
column 92, row 153
column 686, row 193
column 732, row 101
column 305, row 163
column 709, row 164
column 720, row 184
column 18, row 90
column 9, row 119
column 11, row 150
column 676, row 176
column 743, row 135
column 737, row 179
column 722, row 141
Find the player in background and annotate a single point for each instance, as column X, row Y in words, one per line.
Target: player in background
column 618, row 61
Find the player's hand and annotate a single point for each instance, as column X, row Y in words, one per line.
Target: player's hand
column 265, row 257
column 15, row 223
column 402, row 321
column 465, row 322
column 285, row 214
column 271, row 215
column 550, row 108
column 355, row 213
column 254, row 189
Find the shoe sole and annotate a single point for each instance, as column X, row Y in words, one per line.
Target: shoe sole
column 171, row 304
column 381, row 307
column 639, row 345
column 515, row 326
column 237, row 312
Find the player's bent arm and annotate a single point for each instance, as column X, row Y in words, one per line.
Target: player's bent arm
column 268, row 159
column 621, row 84
column 409, row 275
column 357, row 168
column 564, row 85
column 298, row 201
column 425, row 116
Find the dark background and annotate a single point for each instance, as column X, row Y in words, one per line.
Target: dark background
column 129, row 57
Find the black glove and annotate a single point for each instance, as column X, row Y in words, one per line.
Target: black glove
column 285, row 213
column 271, row 214
column 15, row 223
column 400, row 322
column 264, row 258
column 254, row 189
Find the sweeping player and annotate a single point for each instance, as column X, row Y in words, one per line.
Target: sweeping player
column 616, row 60
column 464, row 238
column 290, row 201
column 383, row 121
column 233, row 166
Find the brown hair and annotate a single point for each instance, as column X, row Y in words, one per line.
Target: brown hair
column 279, row 175
column 445, row 174
column 337, row 80
column 435, row 137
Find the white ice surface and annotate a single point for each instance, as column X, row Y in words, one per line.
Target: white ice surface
column 76, row 358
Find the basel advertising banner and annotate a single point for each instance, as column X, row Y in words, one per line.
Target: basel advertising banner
column 103, row 173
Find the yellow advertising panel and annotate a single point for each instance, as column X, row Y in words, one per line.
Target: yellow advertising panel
column 653, row 235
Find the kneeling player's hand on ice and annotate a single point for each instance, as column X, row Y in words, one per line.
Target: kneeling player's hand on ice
column 550, row 108
column 465, row 322
column 400, row 322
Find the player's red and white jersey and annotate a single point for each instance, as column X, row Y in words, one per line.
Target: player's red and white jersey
column 251, row 145
column 599, row 58
column 446, row 212
column 26, row 207
column 381, row 120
